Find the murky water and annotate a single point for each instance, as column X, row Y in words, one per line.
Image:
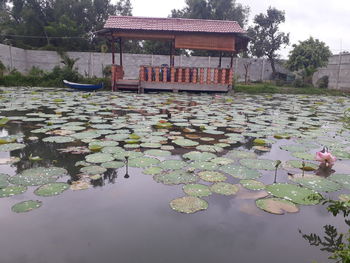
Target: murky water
column 129, row 220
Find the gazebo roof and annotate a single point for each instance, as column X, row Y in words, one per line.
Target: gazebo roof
column 173, row 25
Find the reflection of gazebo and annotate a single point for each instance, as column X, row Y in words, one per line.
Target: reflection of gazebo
column 223, row 36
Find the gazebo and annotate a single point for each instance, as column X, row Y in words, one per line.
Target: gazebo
column 219, row 35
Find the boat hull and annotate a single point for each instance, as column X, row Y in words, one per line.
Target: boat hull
column 86, row 87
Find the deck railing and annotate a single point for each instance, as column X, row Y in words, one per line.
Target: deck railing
column 187, row 75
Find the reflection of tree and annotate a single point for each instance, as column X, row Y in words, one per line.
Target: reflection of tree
column 334, row 242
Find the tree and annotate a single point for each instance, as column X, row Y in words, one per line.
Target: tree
column 57, row 24
column 307, row 56
column 266, row 37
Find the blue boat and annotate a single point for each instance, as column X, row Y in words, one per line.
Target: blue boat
column 86, row 87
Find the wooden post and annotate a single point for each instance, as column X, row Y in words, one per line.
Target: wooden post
column 149, row 75
column 157, row 74
column 230, row 76
column 220, row 59
column 216, row 76
column 120, row 52
column 171, row 54
column 113, row 50
column 172, row 74
column 223, row 76
column 208, row 76
column 201, row 75
column 231, row 63
column 142, row 73
column 194, row 76
column 179, row 75
column 187, row 75
column 165, row 74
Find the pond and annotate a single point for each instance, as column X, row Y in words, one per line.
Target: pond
column 163, row 177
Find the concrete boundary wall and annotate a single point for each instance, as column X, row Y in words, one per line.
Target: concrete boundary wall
column 91, row 63
column 338, row 72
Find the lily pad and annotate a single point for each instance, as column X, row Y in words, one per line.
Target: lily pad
column 342, row 179
column 318, row 184
column 113, row 165
column 188, row 204
column 296, row 194
column 240, row 172
column 185, row 142
column 51, row 189
column 259, row 164
column 143, row 162
column 252, row 185
column 199, row 190
column 172, row 164
column 159, row 153
column 12, row 190
column 3, row 180
column 93, row 170
column 212, row 176
column 80, row 185
column 241, row 154
column 276, row 206
column 59, row 139
column 199, row 156
column 99, row 158
column 153, row 170
column 176, row 177
column 204, row 165
column 224, row 188
column 11, row 147
column 26, row 206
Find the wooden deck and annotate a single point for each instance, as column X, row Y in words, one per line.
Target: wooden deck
column 177, row 79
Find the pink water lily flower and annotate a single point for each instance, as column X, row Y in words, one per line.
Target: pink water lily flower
column 325, row 157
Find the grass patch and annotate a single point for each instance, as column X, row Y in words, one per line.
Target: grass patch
column 260, row 88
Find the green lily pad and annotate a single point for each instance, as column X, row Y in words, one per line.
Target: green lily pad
column 222, row 161
column 11, row 147
column 172, row 164
column 159, row 153
column 299, row 164
column 199, row 156
column 93, row 170
column 199, row 190
column 224, row 188
column 276, row 206
column 99, row 158
column 318, row 184
column 59, row 139
column 342, row 179
column 212, row 176
column 176, row 177
column 113, row 165
column 3, row 180
column 209, row 148
column 131, row 154
column 240, row 172
column 12, row 190
column 203, row 165
column 26, row 206
column 241, row 154
column 185, row 142
column 296, row 194
column 259, row 164
column 252, row 185
column 153, row 170
column 143, row 162
column 51, row 189
column 188, row 204
column 304, row 156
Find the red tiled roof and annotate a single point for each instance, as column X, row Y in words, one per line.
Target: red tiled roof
column 172, row 24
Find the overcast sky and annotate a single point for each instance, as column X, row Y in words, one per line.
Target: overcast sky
column 326, row 20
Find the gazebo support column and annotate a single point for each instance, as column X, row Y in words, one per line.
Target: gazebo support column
column 120, row 52
column 220, row 59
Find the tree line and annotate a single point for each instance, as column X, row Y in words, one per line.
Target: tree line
column 68, row 25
